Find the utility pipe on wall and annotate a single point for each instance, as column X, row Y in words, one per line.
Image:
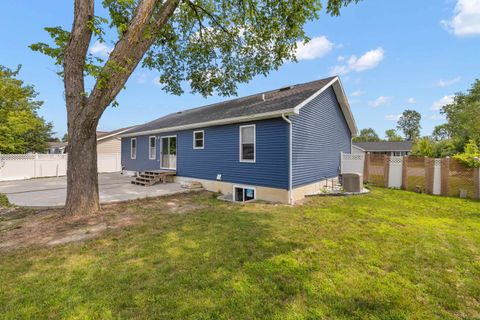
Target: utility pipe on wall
column 290, row 164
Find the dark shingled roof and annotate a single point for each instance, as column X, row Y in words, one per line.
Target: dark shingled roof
column 385, row 146
column 275, row 100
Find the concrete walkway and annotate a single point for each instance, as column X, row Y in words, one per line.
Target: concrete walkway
column 51, row 192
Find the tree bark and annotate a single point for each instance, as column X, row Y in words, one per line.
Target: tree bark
column 84, row 112
column 82, row 176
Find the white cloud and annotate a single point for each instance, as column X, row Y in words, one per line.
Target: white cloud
column 445, row 83
column 100, row 49
column 437, row 105
column 380, row 101
column 466, row 19
column 411, row 101
column 316, row 48
column 357, row 93
column 392, row 117
column 368, row 60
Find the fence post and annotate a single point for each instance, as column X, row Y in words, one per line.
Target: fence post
column 366, row 167
column 429, row 175
column 476, row 180
column 35, row 165
column 445, row 173
column 341, row 162
column 386, row 170
column 405, row 173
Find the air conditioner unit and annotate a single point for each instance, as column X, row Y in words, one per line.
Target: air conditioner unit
column 352, row 182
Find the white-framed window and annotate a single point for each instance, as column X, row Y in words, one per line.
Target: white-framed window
column 152, row 147
column 247, row 143
column 133, row 148
column 244, row 194
column 198, row 139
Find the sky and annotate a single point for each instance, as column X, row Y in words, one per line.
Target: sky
column 390, row 56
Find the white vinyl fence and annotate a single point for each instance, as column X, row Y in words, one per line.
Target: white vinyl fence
column 27, row 166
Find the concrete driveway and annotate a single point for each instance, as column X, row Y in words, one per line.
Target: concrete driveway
column 51, row 192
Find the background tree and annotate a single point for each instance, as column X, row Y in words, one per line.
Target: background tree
column 65, row 137
column 21, row 129
column 441, row 132
column 212, row 45
column 409, row 124
column 391, row 135
column 471, row 155
column 367, row 135
column 423, row 147
column 463, row 116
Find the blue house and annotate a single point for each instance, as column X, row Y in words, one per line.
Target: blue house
column 278, row 145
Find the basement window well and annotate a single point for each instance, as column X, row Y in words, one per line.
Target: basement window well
column 243, row 194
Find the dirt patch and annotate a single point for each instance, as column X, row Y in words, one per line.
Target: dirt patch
column 21, row 228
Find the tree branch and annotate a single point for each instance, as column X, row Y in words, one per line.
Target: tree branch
column 127, row 53
column 212, row 17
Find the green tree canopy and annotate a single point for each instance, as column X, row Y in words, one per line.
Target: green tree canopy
column 409, row 124
column 441, row 132
column 463, row 116
column 210, row 45
column 367, row 135
column 391, row 135
column 21, row 129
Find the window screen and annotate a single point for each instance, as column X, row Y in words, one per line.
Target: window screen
column 247, row 140
column 133, row 146
column 152, row 151
column 198, row 139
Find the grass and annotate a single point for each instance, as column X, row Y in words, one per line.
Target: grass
column 388, row 255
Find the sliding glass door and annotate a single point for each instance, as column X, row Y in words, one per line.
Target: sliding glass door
column 169, row 153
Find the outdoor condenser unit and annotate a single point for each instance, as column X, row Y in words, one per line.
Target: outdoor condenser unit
column 352, row 182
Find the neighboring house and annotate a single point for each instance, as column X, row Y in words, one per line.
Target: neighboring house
column 391, row 148
column 110, row 142
column 277, row 145
column 107, row 142
column 56, row 147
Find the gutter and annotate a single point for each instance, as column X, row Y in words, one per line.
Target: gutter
column 290, row 164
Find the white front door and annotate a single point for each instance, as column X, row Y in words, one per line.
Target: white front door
column 168, row 153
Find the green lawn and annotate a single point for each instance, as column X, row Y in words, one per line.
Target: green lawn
column 387, row 255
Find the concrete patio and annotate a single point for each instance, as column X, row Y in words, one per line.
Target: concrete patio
column 51, row 192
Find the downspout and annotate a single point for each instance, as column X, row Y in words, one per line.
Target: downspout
column 290, row 164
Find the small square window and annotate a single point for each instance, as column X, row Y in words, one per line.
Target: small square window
column 198, row 139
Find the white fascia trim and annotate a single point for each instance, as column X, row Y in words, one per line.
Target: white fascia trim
column 113, row 134
column 260, row 116
column 357, row 147
column 342, row 100
column 316, row 94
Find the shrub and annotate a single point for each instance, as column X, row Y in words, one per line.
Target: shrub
column 470, row 156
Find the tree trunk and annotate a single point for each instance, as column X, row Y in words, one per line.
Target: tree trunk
column 82, row 176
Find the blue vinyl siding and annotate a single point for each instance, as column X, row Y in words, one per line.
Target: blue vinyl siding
column 221, row 154
column 320, row 133
column 142, row 162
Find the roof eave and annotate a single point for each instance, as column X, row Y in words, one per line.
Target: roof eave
column 256, row 117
